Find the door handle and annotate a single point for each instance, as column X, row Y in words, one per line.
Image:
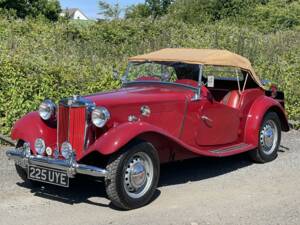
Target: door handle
column 205, row 118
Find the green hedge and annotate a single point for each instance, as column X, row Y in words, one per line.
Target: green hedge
column 39, row 59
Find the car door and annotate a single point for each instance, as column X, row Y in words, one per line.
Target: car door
column 218, row 123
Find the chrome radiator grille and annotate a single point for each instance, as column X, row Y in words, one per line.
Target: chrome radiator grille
column 72, row 118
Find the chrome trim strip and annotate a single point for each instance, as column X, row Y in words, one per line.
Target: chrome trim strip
column 228, row 149
column 76, row 101
column 71, row 167
column 69, row 115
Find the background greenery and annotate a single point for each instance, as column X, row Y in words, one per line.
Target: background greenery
column 42, row 59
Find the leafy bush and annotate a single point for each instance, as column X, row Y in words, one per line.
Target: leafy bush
column 265, row 15
column 39, row 59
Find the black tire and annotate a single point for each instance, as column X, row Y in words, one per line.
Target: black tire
column 118, row 167
column 23, row 175
column 259, row 155
column 23, row 172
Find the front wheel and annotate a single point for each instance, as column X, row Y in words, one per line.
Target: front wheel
column 23, row 175
column 269, row 139
column 133, row 175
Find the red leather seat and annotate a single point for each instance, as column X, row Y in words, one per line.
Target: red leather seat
column 231, row 99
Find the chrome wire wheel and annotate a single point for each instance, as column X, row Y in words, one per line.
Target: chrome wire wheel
column 269, row 137
column 138, row 175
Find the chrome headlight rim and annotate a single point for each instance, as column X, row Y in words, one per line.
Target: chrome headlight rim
column 40, row 146
column 66, row 150
column 100, row 116
column 47, row 109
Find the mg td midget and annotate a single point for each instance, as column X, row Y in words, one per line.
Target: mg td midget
column 174, row 104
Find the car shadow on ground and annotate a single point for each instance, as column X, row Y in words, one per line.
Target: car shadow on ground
column 81, row 190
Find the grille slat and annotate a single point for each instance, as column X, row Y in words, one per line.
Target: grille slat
column 63, row 124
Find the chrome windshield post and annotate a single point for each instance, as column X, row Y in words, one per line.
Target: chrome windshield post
column 125, row 76
column 198, row 93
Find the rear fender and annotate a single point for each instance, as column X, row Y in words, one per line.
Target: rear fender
column 31, row 127
column 260, row 107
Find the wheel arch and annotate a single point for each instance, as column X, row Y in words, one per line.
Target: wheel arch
column 128, row 133
column 30, row 127
column 256, row 114
column 282, row 117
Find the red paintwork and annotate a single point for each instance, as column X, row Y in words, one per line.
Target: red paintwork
column 30, row 127
column 187, row 82
column 176, row 125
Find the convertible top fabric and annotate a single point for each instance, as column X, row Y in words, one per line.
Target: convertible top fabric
column 214, row 57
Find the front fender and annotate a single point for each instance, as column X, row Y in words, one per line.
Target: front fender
column 30, row 127
column 256, row 114
column 119, row 136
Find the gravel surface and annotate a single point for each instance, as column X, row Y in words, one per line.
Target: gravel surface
column 199, row 191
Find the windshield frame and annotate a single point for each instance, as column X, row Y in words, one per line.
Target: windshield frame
column 197, row 89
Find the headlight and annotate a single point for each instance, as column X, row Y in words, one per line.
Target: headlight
column 39, row 146
column 47, row 109
column 100, row 116
column 66, row 150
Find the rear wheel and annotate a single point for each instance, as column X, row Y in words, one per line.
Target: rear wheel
column 269, row 139
column 133, row 176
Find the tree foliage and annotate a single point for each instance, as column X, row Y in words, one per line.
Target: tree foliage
column 33, row 8
column 137, row 11
column 110, row 11
column 158, row 7
column 151, row 8
column 276, row 15
column 266, row 15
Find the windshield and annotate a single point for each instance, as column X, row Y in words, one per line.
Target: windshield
column 162, row 72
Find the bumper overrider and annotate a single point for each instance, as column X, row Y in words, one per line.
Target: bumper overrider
column 71, row 167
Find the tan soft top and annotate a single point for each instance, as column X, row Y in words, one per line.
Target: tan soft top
column 215, row 57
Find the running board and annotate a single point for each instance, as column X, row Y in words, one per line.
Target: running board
column 233, row 149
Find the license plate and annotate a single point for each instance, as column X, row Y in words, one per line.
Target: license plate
column 49, row 176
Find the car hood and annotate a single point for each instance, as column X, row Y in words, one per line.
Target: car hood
column 141, row 94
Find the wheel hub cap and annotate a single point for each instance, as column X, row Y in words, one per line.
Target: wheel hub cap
column 269, row 137
column 138, row 175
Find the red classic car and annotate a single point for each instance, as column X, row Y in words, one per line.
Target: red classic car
column 174, row 104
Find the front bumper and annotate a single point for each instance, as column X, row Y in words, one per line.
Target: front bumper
column 71, row 167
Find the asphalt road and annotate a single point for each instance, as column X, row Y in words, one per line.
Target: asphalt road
column 199, row 191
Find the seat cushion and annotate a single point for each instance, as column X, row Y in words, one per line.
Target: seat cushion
column 231, row 99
